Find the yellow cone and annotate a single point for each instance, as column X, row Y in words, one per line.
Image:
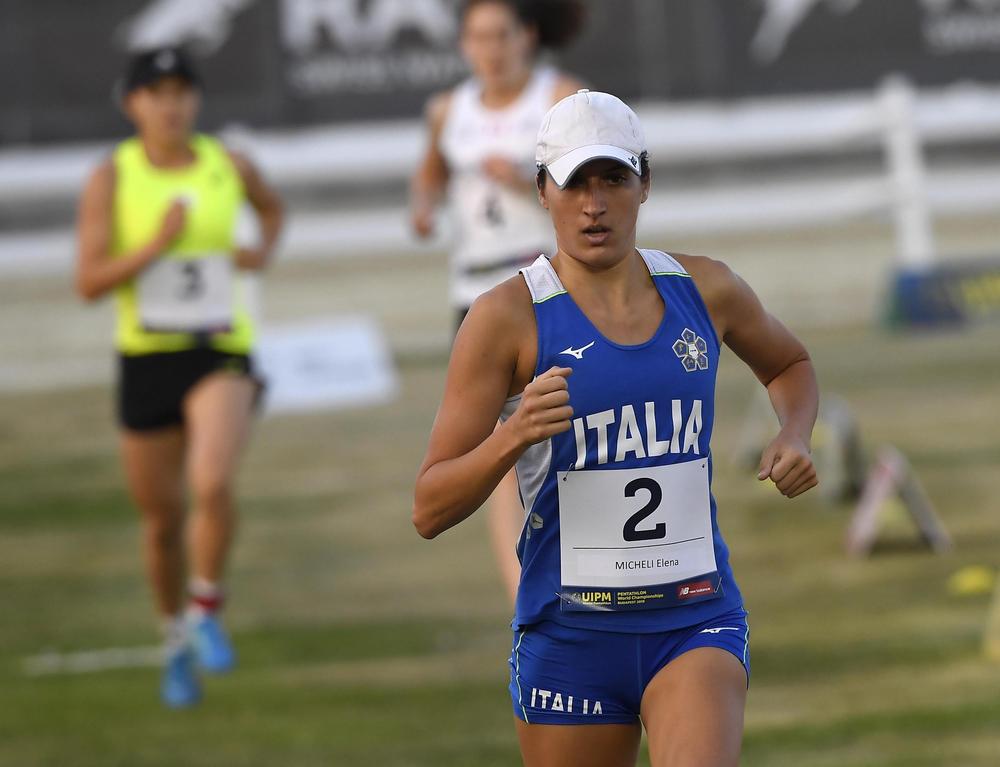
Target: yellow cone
column 972, row 580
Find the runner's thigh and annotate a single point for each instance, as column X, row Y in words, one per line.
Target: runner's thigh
column 587, row 745
column 693, row 710
column 218, row 412
column 154, row 462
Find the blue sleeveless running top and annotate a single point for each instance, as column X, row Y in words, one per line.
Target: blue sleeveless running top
column 620, row 530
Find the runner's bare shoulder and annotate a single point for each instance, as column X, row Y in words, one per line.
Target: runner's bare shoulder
column 503, row 320
column 714, row 278
column 436, row 109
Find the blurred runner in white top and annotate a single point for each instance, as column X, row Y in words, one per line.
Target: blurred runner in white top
column 481, row 151
column 499, row 224
column 481, row 155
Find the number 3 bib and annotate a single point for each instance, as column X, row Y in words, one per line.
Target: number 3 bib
column 187, row 295
column 636, row 539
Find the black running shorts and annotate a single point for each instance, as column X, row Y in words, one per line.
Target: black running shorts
column 152, row 387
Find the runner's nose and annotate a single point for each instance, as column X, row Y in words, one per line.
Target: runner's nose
column 594, row 202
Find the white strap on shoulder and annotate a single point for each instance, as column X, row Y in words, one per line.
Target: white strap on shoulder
column 543, row 282
column 661, row 263
column 464, row 100
column 546, row 79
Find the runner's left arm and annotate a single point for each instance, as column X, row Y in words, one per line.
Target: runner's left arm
column 780, row 362
column 270, row 212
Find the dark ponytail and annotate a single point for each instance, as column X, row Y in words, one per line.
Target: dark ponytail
column 558, row 21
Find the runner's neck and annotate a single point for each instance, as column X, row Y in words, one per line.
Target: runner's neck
column 502, row 95
column 166, row 154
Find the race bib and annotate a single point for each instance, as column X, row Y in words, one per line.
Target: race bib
column 636, row 539
column 188, row 295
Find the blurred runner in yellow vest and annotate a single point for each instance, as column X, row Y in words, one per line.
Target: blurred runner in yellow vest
column 157, row 226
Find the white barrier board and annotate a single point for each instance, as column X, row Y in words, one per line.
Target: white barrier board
column 326, row 364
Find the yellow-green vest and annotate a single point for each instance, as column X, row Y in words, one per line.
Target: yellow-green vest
column 214, row 191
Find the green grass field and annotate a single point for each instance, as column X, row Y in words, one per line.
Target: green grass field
column 362, row 644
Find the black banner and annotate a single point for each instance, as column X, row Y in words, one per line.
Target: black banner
column 293, row 62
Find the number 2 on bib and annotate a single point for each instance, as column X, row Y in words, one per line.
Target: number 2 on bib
column 631, row 531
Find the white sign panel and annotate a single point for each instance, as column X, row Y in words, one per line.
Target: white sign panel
column 326, row 364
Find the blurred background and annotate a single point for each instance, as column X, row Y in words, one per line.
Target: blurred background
column 842, row 155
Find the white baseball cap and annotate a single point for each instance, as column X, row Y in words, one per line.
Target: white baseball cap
column 586, row 126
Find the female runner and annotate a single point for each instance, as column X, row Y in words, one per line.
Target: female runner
column 601, row 364
column 156, row 226
column 481, row 150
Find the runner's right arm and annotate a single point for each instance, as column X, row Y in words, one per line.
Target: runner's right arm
column 96, row 271
column 429, row 183
column 468, row 453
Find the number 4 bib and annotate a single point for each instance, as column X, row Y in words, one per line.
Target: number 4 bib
column 636, row 539
column 187, row 295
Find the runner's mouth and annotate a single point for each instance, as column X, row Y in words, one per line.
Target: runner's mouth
column 596, row 234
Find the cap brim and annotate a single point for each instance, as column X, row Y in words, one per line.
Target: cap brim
column 151, row 78
column 562, row 170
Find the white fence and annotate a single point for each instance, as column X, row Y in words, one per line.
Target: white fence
column 895, row 121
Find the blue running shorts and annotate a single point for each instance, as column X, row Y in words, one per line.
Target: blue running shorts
column 563, row 675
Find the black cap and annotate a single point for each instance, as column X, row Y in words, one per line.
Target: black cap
column 152, row 66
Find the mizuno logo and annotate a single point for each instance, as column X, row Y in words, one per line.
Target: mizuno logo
column 578, row 353
column 718, row 630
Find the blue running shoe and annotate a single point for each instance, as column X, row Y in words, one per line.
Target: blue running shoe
column 180, row 687
column 215, row 653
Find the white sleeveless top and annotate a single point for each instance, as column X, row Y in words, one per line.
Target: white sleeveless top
column 498, row 230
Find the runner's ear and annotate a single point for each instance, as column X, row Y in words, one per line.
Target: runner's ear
column 540, row 180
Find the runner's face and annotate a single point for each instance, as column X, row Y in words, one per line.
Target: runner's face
column 497, row 46
column 164, row 110
column 595, row 215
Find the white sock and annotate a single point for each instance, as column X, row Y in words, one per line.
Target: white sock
column 206, row 597
column 175, row 634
